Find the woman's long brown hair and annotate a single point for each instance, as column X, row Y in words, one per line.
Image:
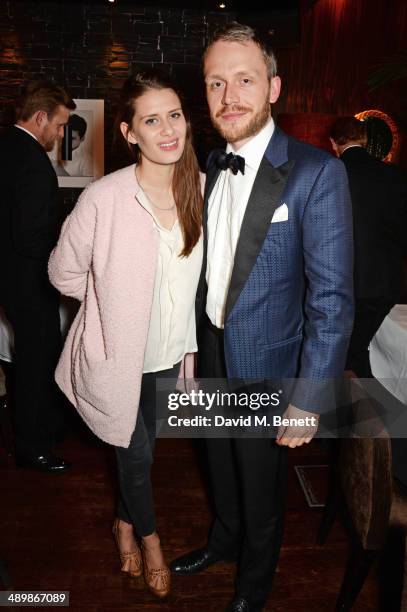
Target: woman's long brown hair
column 186, row 185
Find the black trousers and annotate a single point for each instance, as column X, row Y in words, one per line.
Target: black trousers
column 369, row 315
column 248, row 481
column 37, row 401
column 136, row 502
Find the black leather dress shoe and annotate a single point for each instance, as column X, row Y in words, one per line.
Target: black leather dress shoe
column 43, row 463
column 239, row 604
column 193, row 562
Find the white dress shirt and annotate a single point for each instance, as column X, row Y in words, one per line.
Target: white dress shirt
column 226, row 207
column 352, row 146
column 172, row 330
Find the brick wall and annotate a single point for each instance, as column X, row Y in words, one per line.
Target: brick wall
column 92, row 49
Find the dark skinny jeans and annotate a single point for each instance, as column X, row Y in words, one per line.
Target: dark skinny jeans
column 136, row 503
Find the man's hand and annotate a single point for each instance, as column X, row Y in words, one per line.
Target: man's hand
column 301, row 429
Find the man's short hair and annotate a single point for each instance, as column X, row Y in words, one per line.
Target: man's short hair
column 42, row 96
column 238, row 32
column 348, row 129
column 78, row 124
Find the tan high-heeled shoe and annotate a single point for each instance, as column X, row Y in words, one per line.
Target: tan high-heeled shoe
column 131, row 561
column 158, row 580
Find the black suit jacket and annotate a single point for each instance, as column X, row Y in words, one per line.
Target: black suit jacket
column 379, row 201
column 29, row 221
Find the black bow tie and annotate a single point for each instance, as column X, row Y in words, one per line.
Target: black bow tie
column 229, row 160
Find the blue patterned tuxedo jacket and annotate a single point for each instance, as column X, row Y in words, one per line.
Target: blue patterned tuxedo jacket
column 289, row 308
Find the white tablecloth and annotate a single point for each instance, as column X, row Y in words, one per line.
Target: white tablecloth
column 67, row 313
column 6, row 338
column 388, row 353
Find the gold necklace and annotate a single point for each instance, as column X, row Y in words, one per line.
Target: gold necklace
column 150, row 200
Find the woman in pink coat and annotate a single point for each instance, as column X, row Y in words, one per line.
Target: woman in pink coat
column 131, row 252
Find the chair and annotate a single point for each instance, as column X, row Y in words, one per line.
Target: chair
column 4, row 575
column 6, row 429
column 6, row 436
column 374, row 504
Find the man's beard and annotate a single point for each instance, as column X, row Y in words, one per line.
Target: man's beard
column 49, row 144
column 47, row 140
column 233, row 134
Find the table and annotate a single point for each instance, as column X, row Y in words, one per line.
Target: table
column 388, row 353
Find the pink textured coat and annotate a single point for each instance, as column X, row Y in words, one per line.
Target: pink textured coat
column 106, row 258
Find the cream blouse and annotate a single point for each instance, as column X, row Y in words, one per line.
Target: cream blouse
column 172, row 330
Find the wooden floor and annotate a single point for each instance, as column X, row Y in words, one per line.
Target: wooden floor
column 55, row 535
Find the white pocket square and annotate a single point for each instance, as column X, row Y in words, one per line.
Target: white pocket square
column 280, row 214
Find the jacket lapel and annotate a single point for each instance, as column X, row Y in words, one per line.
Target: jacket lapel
column 211, row 177
column 265, row 197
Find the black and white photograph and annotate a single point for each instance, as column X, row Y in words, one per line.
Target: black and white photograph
column 81, row 162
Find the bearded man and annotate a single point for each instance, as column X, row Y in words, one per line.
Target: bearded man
column 274, row 301
column 29, row 227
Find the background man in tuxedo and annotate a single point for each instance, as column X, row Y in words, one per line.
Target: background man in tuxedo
column 29, row 227
column 379, row 202
column 275, row 296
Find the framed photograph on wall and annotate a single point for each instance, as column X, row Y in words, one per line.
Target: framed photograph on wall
column 87, row 163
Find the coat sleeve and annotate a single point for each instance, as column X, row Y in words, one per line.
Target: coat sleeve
column 32, row 223
column 70, row 261
column 328, row 267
